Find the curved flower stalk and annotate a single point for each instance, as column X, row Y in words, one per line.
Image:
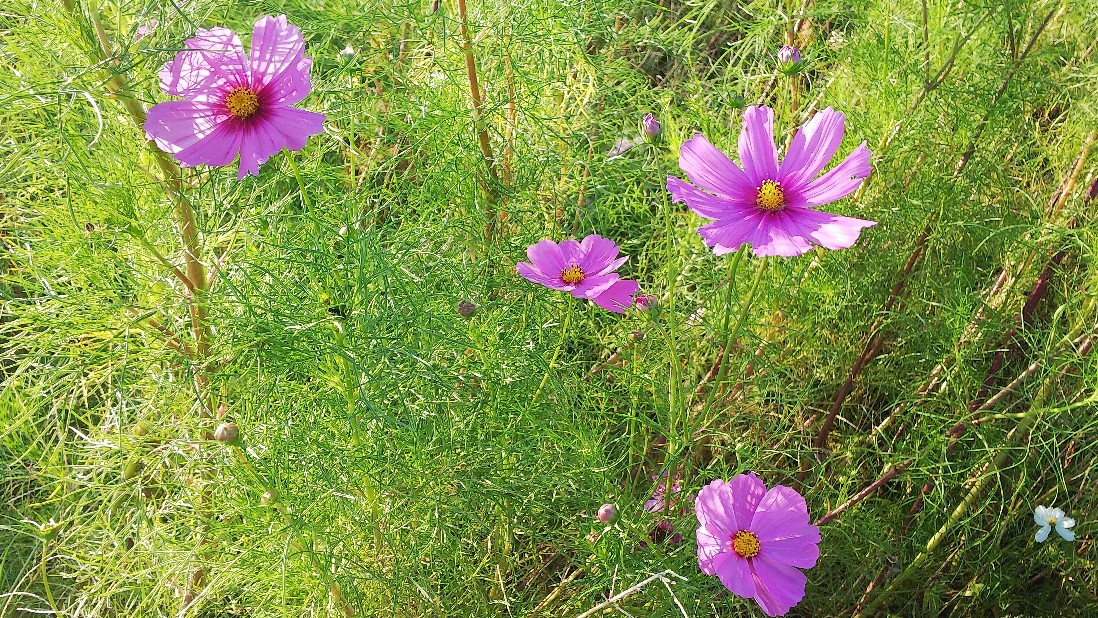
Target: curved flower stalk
column 756, row 540
column 767, row 204
column 586, row 269
column 236, row 103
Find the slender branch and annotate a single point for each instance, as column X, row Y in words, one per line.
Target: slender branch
column 863, row 494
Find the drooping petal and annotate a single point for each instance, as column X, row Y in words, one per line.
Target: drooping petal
column 709, row 206
column 778, row 587
column 277, row 47
column 618, row 297
column 1063, row 531
column 218, row 148
column 758, row 155
column 547, row 257
column 176, row 125
column 735, row 573
column 840, row 182
column 1042, row 533
column 801, row 550
column 260, row 140
column 825, row 229
column 812, row 147
column 212, row 61
column 782, row 513
column 710, row 169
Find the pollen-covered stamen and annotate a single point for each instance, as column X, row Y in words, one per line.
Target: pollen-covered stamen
column 242, row 102
column 573, row 275
column 770, row 196
column 746, row 544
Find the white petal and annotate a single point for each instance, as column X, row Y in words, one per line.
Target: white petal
column 1066, row 522
column 1040, row 515
column 1064, row 532
column 1042, row 534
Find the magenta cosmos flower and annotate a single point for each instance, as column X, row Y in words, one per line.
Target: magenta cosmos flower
column 235, row 104
column 767, row 204
column 586, row 269
column 755, row 540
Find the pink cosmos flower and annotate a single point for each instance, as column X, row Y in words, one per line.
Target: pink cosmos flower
column 755, row 540
column 586, row 269
column 655, row 503
column 235, row 103
column 767, row 204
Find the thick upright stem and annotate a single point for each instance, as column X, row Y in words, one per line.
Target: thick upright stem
column 491, row 187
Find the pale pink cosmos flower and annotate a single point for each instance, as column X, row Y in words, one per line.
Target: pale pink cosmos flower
column 756, row 540
column 586, row 269
column 236, row 103
column 767, row 204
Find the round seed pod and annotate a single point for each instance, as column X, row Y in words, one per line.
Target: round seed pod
column 226, row 433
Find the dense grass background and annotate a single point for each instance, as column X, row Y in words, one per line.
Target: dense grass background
column 424, row 464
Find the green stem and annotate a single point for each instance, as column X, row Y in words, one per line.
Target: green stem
column 300, row 182
column 556, row 353
column 732, row 333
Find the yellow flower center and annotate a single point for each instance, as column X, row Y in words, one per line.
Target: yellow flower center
column 1052, row 521
column 242, row 102
column 746, row 544
column 573, row 275
column 770, row 196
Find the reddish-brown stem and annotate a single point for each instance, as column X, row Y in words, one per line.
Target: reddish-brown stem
column 491, row 186
column 863, row 494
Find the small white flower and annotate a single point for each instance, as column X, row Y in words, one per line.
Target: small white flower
column 1048, row 517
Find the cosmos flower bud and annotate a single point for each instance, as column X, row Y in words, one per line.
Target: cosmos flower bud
column 269, row 497
column 652, row 127
column 644, row 302
column 789, row 58
column 607, row 513
column 226, row 432
column 466, row 309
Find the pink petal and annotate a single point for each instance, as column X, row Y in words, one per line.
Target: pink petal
column 775, row 236
column 826, row 229
column 712, row 170
column 781, row 513
column 712, row 512
column 592, row 286
column 812, row 147
column 277, row 47
column 531, row 273
column 801, row 550
column 840, row 181
column 758, row 155
column 176, row 125
column 572, row 252
column 726, row 235
column 745, row 491
column 260, row 140
column 711, row 542
column 777, row 587
column 546, row 256
column 212, row 62
column 598, row 253
column 735, row 573
column 710, row 206
column 218, row 148
column 295, row 125
column 618, row 297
